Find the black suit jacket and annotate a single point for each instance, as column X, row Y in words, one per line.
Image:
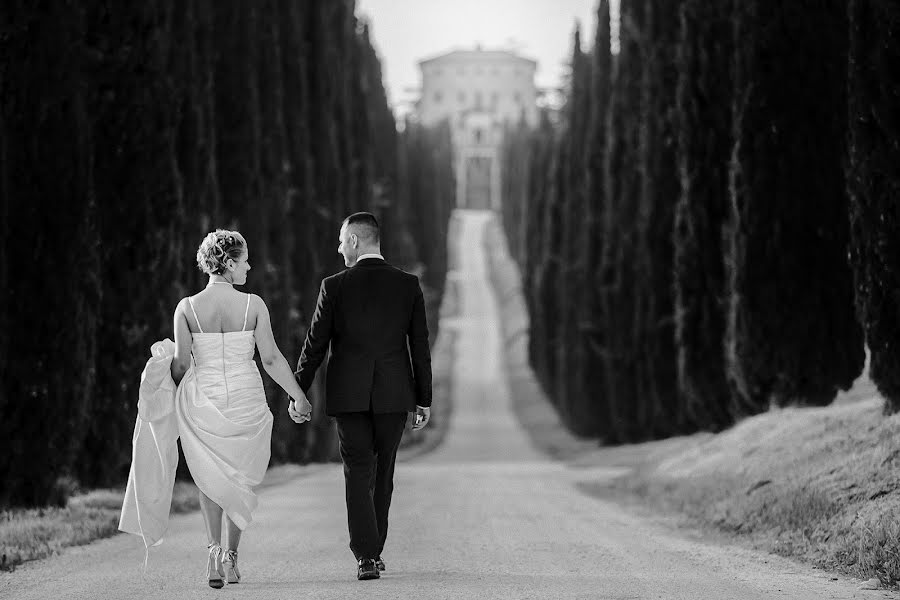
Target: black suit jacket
column 373, row 317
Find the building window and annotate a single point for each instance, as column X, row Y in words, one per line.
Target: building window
column 478, row 100
column 478, row 135
column 495, row 71
column 479, row 71
column 438, row 97
column 495, row 98
column 438, row 72
column 517, row 98
column 460, row 70
column 461, row 97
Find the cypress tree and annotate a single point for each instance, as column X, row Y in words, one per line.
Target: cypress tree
column 275, row 249
column 427, row 172
column 543, row 143
column 325, row 204
column 328, row 195
column 46, row 169
column 593, row 322
column 704, row 146
column 290, row 443
column 622, row 179
column 873, row 180
column 792, row 336
column 654, row 342
column 573, row 401
column 516, row 157
column 5, row 192
column 547, row 271
column 133, row 116
column 193, row 34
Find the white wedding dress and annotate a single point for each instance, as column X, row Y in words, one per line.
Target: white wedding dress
column 223, row 420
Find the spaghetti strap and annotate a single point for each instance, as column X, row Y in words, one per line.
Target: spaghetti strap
column 246, row 310
column 191, row 302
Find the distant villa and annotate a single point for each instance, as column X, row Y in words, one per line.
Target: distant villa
column 477, row 91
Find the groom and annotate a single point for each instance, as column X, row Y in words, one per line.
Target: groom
column 373, row 317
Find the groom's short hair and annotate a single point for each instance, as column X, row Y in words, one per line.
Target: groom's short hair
column 364, row 225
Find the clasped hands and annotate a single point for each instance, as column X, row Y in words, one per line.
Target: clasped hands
column 300, row 414
column 304, row 413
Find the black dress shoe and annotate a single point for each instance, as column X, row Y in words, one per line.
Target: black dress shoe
column 379, row 562
column 367, row 569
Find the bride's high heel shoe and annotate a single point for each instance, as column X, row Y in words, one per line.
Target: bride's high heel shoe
column 214, row 571
column 229, row 563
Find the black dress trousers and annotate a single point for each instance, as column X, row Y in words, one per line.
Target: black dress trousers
column 368, row 444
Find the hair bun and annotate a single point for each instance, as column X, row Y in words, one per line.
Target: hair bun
column 216, row 248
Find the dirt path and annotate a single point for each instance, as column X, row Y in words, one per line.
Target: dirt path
column 484, row 516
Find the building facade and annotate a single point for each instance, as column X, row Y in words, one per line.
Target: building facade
column 478, row 91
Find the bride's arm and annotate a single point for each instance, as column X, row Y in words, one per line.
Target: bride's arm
column 272, row 359
column 182, row 359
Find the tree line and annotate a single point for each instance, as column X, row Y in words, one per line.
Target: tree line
column 710, row 225
column 128, row 130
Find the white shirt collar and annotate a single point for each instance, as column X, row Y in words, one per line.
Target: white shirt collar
column 370, row 255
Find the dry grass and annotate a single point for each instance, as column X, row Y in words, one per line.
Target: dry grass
column 32, row 534
column 820, row 484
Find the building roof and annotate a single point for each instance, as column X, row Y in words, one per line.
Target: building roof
column 477, row 54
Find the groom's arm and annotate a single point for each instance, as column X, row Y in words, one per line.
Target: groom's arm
column 317, row 339
column 419, row 350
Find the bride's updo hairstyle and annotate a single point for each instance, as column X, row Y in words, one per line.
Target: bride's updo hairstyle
column 216, row 248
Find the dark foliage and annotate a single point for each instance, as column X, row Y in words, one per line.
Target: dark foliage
column 621, row 236
column 874, row 184
column 592, row 318
column 129, row 130
column 792, row 336
column 569, row 389
column 681, row 223
column 704, row 147
column 654, row 337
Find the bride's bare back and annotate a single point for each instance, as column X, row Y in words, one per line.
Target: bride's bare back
column 222, row 309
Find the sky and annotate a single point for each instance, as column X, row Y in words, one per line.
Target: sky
column 406, row 31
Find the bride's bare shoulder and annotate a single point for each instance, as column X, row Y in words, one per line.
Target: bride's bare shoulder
column 182, row 309
column 182, row 304
column 257, row 304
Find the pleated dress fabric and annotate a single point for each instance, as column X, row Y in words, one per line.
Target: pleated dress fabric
column 223, row 420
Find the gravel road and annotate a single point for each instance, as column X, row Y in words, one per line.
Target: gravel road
column 483, row 516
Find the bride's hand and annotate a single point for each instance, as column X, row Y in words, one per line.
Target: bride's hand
column 302, row 413
column 304, row 407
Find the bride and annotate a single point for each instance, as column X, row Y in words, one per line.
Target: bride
column 223, row 419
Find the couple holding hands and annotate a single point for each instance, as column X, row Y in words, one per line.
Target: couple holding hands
column 372, row 318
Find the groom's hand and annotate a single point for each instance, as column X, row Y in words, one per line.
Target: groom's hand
column 423, row 414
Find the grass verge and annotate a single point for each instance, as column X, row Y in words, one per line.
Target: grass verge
column 31, row 534
column 818, row 484
column 35, row 533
